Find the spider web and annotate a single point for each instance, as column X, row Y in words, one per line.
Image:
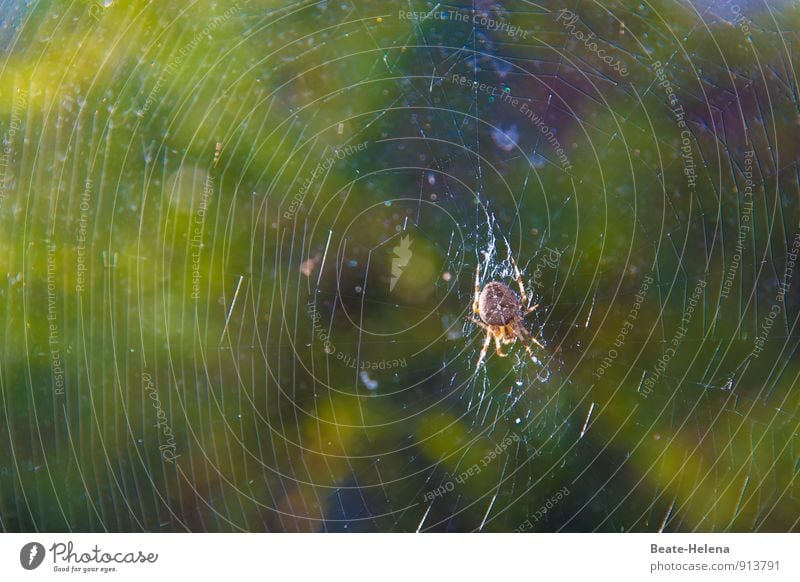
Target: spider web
column 279, row 210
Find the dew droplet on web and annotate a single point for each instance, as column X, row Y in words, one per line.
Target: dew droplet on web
column 369, row 383
column 506, row 139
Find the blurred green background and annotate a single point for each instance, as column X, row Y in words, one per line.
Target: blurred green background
column 240, row 242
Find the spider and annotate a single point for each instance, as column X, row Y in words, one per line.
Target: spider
column 501, row 313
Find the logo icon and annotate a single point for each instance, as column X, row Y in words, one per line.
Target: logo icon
column 31, row 555
column 402, row 256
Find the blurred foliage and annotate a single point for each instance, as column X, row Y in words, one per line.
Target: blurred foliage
column 163, row 147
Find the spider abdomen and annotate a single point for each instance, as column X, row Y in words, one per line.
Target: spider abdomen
column 498, row 305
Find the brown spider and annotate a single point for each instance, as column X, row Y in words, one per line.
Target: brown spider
column 501, row 314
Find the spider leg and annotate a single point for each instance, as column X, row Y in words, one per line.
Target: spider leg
column 522, row 294
column 534, row 340
column 484, row 350
column 497, row 347
column 526, row 336
column 531, row 339
column 530, row 310
column 528, row 348
column 477, row 289
column 477, row 321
